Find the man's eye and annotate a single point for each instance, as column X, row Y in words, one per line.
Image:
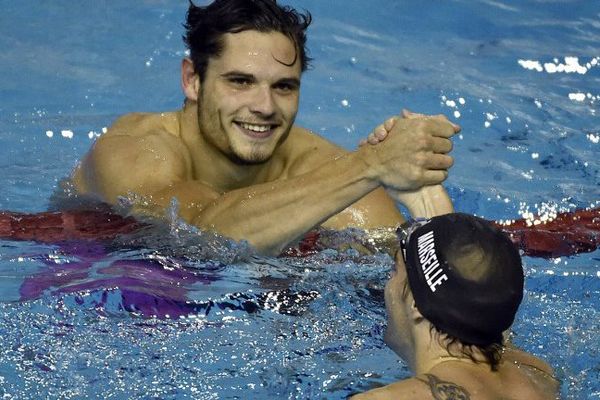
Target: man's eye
column 240, row 81
column 286, row 87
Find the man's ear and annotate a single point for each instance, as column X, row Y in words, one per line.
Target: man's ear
column 190, row 81
column 415, row 314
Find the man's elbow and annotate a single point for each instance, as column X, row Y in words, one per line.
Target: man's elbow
column 262, row 244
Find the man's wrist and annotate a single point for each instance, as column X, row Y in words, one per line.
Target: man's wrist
column 367, row 156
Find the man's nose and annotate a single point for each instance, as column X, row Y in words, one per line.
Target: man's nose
column 263, row 102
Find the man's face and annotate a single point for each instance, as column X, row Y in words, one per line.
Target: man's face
column 249, row 98
column 397, row 307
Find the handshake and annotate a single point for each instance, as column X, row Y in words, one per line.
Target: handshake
column 409, row 151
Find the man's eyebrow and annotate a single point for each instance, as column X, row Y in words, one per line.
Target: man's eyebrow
column 293, row 81
column 237, row 74
column 289, row 81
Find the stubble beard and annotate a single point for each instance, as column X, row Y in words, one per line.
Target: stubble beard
column 209, row 123
column 257, row 153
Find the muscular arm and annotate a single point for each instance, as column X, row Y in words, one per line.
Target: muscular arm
column 268, row 215
column 405, row 161
column 271, row 215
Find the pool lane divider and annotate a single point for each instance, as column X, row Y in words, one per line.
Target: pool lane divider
column 567, row 234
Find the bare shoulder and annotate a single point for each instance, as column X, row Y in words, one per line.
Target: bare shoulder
column 139, row 153
column 308, row 137
column 510, row 381
column 307, row 150
column 513, row 354
column 412, row 388
column 140, row 124
column 155, row 133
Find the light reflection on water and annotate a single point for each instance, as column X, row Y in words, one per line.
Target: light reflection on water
column 291, row 327
column 316, row 329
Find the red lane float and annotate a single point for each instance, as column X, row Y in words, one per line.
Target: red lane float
column 568, row 234
column 53, row 227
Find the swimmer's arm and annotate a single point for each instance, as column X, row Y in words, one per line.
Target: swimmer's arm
column 272, row 215
column 427, row 202
column 375, row 210
column 154, row 166
column 269, row 216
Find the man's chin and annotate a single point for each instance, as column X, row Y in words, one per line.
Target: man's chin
column 251, row 159
column 254, row 153
column 240, row 161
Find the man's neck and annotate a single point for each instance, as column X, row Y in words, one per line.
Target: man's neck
column 431, row 352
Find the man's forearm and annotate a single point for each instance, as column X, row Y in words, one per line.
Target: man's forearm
column 434, row 201
column 427, row 202
column 274, row 214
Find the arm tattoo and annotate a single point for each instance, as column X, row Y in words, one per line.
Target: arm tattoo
column 446, row 390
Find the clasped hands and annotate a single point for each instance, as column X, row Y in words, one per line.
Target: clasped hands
column 410, row 151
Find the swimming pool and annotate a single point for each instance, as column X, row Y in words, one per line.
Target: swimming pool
column 290, row 327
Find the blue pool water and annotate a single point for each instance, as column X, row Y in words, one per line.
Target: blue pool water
column 287, row 328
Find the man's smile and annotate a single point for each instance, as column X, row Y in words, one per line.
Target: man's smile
column 257, row 131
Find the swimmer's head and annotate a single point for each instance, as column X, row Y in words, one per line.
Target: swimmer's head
column 464, row 277
column 205, row 27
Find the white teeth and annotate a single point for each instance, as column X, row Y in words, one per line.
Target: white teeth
column 256, row 128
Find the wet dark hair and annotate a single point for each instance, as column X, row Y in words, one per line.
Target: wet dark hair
column 492, row 353
column 205, row 27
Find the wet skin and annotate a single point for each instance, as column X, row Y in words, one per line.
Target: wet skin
column 236, row 162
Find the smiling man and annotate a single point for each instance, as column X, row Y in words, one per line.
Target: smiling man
column 233, row 157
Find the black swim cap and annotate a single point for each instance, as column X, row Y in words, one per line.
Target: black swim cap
column 466, row 277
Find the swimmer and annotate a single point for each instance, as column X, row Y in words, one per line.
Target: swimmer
column 234, row 159
column 456, row 286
